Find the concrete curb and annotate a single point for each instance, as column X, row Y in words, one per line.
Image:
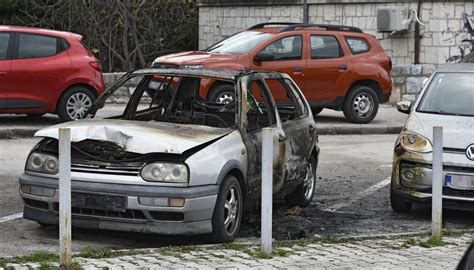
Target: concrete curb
column 21, row 133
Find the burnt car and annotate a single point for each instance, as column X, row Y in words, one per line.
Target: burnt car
column 447, row 100
column 170, row 162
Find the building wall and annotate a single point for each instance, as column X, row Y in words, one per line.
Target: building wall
column 441, row 35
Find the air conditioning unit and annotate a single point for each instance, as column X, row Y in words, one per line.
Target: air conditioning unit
column 392, row 19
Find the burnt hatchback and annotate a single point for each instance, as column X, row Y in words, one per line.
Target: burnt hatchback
column 168, row 161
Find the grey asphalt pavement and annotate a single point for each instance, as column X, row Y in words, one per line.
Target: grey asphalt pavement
column 352, row 198
column 387, row 121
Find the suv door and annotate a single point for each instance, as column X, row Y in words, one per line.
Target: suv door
column 5, row 65
column 39, row 68
column 326, row 68
column 288, row 57
column 298, row 127
column 258, row 112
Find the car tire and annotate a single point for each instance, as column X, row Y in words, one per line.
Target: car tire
column 222, row 94
column 398, row 203
column 228, row 206
column 74, row 103
column 316, row 111
column 361, row 105
column 304, row 192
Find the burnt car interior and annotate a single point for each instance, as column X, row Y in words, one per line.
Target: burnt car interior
column 177, row 100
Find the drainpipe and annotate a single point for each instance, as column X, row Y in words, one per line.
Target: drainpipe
column 305, row 12
column 417, row 36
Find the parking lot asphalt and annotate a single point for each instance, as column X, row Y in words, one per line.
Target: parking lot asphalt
column 387, row 121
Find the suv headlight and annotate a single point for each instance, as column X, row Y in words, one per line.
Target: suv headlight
column 165, row 172
column 414, row 142
column 42, row 163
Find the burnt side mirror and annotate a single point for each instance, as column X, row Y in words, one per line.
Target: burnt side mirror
column 263, row 56
column 404, row 107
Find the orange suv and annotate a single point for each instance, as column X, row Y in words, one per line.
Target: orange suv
column 336, row 66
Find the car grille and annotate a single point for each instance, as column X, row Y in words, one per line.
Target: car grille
column 130, row 171
column 458, row 192
column 127, row 214
column 452, row 150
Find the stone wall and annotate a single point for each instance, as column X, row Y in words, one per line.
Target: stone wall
column 441, row 35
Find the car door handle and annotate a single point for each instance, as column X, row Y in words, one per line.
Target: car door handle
column 342, row 67
column 298, row 70
column 3, row 73
column 281, row 138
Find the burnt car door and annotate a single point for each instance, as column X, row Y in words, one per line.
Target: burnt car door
column 298, row 126
column 258, row 112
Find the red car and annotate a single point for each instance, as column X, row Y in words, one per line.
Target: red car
column 336, row 66
column 45, row 71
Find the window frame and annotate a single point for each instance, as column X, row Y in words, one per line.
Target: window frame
column 59, row 48
column 272, row 117
column 298, row 95
column 293, row 96
column 341, row 51
column 283, row 59
column 10, row 45
column 346, row 38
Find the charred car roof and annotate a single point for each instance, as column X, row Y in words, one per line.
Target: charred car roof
column 204, row 72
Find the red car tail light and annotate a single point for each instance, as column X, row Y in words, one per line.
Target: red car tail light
column 95, row 65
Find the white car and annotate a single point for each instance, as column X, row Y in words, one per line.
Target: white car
column 172, row 162
column 447, row 100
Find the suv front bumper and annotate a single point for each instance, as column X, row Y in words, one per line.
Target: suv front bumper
column 194, row 217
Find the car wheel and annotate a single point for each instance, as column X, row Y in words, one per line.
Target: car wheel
column 304, row 192
column 316, row 111
column 399, row 204
column 222, row 94
column 74, row 103
column 361, row 105
column 228, row 211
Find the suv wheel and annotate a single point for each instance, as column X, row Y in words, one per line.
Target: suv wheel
column 228, row 211
column 398, row 204
column 74, row 103
column 304, row 192
column 222, row 94
column 361, row 105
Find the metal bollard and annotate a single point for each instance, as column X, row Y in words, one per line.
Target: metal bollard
column 437, row 183
column 65, row 239
column 267, row 190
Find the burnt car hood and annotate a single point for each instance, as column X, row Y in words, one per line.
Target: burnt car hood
column 457, row 130
column 138, row 136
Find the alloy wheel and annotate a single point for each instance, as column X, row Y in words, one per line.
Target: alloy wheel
column 77, row 105
column 231, row 210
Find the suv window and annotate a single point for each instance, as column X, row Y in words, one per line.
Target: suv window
column 4, row 38
column 288, row 105
column 325, row 47
column 287, row 48
column 357, row 45
column 33, row 46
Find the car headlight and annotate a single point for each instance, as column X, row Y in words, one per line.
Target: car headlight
column 193, row 66
column 414, row 142
column 165, row 172
column 43, row 163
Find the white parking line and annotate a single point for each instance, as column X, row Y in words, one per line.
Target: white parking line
column 386, row 165
column 360, row 195
column 11, row 217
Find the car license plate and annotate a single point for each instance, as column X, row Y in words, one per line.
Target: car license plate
column 98, row 201
column 460, row 181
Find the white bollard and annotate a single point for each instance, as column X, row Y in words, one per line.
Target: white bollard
column 437, row 183
column 267, row 190
column 65, row 239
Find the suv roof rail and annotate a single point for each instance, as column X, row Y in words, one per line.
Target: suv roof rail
column 331, row 27
column 262, row 25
